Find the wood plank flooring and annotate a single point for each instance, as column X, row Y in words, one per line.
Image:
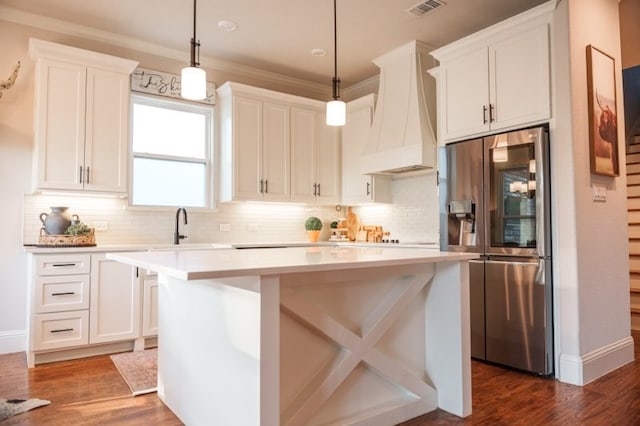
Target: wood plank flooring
column 90, row 391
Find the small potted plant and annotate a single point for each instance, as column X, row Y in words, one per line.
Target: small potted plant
column 313, row 225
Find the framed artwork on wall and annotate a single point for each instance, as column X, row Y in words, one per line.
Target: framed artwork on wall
column 603, row 119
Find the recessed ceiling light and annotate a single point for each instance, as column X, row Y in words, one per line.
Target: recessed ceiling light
column 228, row 26
column 318, row 52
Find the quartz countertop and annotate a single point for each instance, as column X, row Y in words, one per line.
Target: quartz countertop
column 206, row 246
column 204, row 264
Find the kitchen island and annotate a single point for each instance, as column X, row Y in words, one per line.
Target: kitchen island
column 311, row 335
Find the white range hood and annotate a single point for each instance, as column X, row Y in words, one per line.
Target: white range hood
column 402, row 137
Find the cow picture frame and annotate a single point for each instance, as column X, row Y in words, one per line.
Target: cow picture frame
column 603, row 115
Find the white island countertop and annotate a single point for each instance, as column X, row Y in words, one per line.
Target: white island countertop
column 206, row 264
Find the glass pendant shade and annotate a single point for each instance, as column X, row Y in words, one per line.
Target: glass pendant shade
column 336, row 113
column 193, row 83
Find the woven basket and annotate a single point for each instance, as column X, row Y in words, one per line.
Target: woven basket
column 86, row 240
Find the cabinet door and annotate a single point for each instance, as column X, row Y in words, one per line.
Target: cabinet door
column 519, row 76
column 357, row 187
column 60, row 124
column 246, row 140
column 107, row 116
column 275, row 151
column 464, row 87
column 150, row 307
column 304, row 133
column 115, row 301
column 327, row 163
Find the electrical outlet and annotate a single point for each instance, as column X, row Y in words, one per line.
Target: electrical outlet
column 225, row 227
column 100, row 225
column 252, row 227
column 599, row 193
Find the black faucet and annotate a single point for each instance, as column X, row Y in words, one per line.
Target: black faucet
column 176, row 235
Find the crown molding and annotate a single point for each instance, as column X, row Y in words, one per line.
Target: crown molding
column 81, row 31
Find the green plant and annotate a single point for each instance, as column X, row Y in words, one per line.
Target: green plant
column 78, row 229
column 313, row 224
column 334, row 224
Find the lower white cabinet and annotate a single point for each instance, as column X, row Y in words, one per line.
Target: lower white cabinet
column 150, row 306
column 84, row 304
column 114, row 312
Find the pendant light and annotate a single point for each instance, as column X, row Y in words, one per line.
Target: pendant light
column 193, row 82
column 336, row 109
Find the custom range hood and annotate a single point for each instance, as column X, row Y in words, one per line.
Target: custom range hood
column 402, row 137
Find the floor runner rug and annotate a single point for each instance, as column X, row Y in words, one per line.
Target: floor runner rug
column 139, row 369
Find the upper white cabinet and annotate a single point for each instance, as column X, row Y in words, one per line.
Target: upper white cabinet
column 275, row 147
column 358, row 188
column 254, row 149
column 496, row 79
column 81, row 118
column 315, row 157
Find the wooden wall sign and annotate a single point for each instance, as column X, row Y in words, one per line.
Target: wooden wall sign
column 164, row 84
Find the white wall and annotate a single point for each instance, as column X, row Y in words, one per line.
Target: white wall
column 249, row 222
column 590, row 238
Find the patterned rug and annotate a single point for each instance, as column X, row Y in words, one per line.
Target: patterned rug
column 139, row 370
column 11, row 407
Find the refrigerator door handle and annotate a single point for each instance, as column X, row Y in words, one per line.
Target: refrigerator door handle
column 540, row 270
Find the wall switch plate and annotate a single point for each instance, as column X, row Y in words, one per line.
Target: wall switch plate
column 252, row 227
column 225, row 227
column 599, row 192
column 100, row 225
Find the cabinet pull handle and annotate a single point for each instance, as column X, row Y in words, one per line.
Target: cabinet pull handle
column 81, row 174
column 62, row 265
column 261, row 186
column 484, row 114
column 62, row 330
column 88, row 175
column 318, row 190
column 368, row 188
column 491, row 118
column 266, row 186
column 315, row 189
column 65, row 293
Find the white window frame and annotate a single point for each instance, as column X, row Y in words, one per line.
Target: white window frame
column 177, row 105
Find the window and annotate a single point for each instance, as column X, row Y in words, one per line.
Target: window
column 171, row 153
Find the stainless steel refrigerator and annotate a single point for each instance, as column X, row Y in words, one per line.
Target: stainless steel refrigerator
column 494, row 201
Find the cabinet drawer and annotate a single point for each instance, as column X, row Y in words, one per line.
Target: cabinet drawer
column 61, row 329
column 61, row 293
column 63, row 264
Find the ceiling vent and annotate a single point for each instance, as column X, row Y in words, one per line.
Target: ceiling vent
column 425, row 7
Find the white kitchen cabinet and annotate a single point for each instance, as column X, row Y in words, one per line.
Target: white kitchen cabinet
column 115, row 301
column 254, row 147
column 150, row 306
column 315, row 157
column 497, row 79
column 58, row 302
column 275, row 147
column 359, row 188
column 81, row 119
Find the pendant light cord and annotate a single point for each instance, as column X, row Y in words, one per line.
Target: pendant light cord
column 336, row 80
column 335, row 40
column 195, row 44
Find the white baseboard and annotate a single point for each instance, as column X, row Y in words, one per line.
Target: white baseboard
column 580, row 370
column 13, row 341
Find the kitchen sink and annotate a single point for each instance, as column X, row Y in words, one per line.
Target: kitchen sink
column 190, row 246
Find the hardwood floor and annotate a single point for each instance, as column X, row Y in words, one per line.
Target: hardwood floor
column 91, row 392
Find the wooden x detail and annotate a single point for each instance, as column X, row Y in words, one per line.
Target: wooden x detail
column 358, row 349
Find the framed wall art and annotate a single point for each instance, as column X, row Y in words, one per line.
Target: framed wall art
column 603, row 118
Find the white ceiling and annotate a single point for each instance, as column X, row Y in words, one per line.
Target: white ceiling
column 278, row 35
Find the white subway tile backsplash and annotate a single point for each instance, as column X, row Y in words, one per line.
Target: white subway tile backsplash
column 413, row 216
